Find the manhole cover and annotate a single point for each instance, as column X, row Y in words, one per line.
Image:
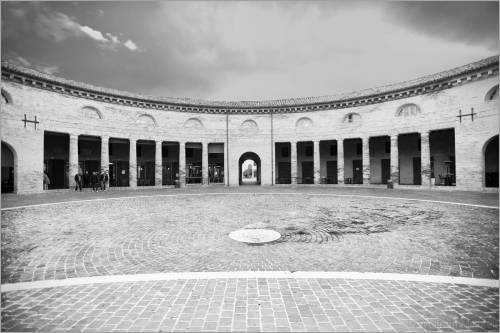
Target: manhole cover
column 254, row 236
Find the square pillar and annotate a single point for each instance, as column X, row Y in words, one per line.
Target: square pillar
column 158, row 163
column 226, row 163
column 293, row 162
column 340, row 161
column 366, row 160
column 105, row 153
column 425, row 152
column 182, row 164
column 394, row 160
column 204, row 163
column 73, row 159
column 133, row 163
column 316, row 162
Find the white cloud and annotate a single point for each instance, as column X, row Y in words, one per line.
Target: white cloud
column 130, row 45
column 48, row 69
column 24, row 61
column 113, row 38
column 94, row 34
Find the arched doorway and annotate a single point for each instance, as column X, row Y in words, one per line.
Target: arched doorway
column 491, row 163
column 249, row 169
column 8, row 168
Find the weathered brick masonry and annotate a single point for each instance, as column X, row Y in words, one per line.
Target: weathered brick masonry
column 422, row 106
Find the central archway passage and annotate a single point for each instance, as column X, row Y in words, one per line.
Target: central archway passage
column 256, row 159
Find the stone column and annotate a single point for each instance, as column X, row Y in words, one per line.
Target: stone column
column 425, row 151
column 182, row 164
column 105, row 153
column 73, row 159
column 204, row 163
column 293, row 161
column 132, row 173
column 340, row 161
column 317, row 162
column 158, row 163
column 366, row 160
column 394, row 159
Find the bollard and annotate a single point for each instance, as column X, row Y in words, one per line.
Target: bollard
column 390, row 184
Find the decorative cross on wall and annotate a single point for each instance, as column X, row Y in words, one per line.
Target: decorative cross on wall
column 29, row 121
column 471, row 114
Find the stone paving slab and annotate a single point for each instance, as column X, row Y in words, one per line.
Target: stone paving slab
column 254, row 304
column 179, row 234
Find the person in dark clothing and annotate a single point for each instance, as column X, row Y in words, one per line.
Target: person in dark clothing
column 78, row 182
column 95, row 181
column 103, row 179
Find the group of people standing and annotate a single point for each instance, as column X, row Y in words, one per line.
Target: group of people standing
column 96, row 180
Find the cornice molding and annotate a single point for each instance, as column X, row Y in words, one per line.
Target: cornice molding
column 424, row 85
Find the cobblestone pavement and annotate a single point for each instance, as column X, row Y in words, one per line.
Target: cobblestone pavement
column 178, row 234
column 254, row 305
column 479, row 198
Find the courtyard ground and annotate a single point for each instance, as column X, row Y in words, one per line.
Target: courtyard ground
column 77, row 261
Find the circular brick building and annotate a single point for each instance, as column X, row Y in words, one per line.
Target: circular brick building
column 436, row 131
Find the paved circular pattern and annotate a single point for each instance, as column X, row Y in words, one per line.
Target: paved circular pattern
column 178, row 234
column 255, row 236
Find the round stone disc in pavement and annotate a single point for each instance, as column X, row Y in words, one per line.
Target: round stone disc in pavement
column 254, row 236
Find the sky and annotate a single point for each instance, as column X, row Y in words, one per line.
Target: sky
column 236, row 50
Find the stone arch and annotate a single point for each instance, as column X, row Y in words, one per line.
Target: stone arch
column 249, row 156
column 408, row 109
column 351, row 117
column 492, row 94
column 90, row 112
column 490, row 162
column 6, row 97
column 249, row 124
column 9, row 169
column 193, row 123
column 304, row 123
column 146, row 120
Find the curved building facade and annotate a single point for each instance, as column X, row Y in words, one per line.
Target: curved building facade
column 438, row 131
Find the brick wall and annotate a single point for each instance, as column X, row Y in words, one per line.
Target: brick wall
column 74, row 115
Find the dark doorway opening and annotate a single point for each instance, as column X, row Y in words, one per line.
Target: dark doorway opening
column 305, row 162
column 215, row 163
column 442, row 150
column 328, row 161
column 146, row 163
column 385, row 170
column 89, row 157
column 409, row 150
column 307, row 172
column 170, row 163
column 357, row 171
column 119, row 150
column 255, row 170
column 491, row 163
column 194, row 163
column 353, row 165
column 56, row 159
column 331, row 172
column 7, row 169
column 282, row 152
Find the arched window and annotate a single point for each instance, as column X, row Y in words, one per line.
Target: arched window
column 193, row 123
column 304, row 123
column 406, row 110
column 146, row 120
column 352, row 117
column 492, row 94
column 91, row 112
